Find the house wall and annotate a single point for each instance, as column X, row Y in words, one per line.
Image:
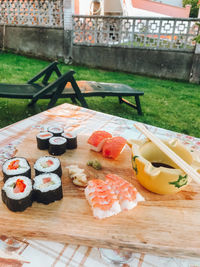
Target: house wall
column 171, row 2
column 168, row 10
column 112, row 6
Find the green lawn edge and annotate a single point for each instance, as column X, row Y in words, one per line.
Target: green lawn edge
column 172, row 105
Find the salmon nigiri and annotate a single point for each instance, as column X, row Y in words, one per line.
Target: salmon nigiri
column 97, row 139
column 112, row 147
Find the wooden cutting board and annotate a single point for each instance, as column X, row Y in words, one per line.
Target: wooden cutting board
column 162, row 225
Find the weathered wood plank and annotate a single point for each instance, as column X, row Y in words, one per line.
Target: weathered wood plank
column 161, row 225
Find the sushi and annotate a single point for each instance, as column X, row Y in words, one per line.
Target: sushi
column 16, row 166
column 17, row 193
column 111, row 196
column 71, row 140
column 48, row 164
column 47, row 188
column 56, row 131
column 126, row 193
column 112, row 147
column 57, row 145
column 97, row 139
column 102, row 199
column 43, row 140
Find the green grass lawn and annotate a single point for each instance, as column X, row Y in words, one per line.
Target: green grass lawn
column 167, row 104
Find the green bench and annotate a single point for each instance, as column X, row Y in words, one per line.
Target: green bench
column 91, row 88
column 65, row 86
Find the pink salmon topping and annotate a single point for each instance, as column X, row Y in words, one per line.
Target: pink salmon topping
column 49, row 162
column 45, row 135
column 68, row 135
column 46, row 180
column 97, row 137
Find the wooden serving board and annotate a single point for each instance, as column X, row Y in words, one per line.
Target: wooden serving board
column 162, row 225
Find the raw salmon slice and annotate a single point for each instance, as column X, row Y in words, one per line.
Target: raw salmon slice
column 112, row 147
column 97, row 139
column 127, row 194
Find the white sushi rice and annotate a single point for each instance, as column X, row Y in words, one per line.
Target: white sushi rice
column 55, row 129
column 45, row 187
column 128, row 204
column 8, row 187
column 42, row 136
column 101, row 214
column 23, row 166
column 98, row 212
column 41, row 166
column 119, row 193
column 57, row 140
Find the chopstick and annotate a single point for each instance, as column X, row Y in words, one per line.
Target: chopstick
column 171, row 154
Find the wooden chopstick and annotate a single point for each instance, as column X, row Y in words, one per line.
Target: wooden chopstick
column 171, row 154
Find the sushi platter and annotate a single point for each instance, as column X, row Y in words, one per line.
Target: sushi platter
column 161, row 225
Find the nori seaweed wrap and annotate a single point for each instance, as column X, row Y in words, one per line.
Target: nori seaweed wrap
column 71, row 140
column 56, row 130
column 16, row 166
column 48, row 164
column 57, row 145
column 17, row 193
column 47, row 188
column 43, row 140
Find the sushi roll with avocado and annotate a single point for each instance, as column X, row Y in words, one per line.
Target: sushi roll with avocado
column 17, row 193
column 48, row 164
column 43, row 140
column 71, row 140
column 16, row 166
column 56, row 131
column 47, row 188
column 57, row 145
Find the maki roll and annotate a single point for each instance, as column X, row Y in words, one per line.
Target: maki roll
column 71, row 140
column 48, row 164
column 57, row 145
column 16, row 166
column 17, row 193
column 56, row 131
column 43, row 140
column 47, row 188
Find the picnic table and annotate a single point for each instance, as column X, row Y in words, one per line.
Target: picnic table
column 16, row 251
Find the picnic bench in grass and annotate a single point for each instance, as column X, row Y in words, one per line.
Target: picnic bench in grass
column 65, row 86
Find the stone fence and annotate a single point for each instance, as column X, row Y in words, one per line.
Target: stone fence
column 136, row 32
column 40, row 13
column 159, row 47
